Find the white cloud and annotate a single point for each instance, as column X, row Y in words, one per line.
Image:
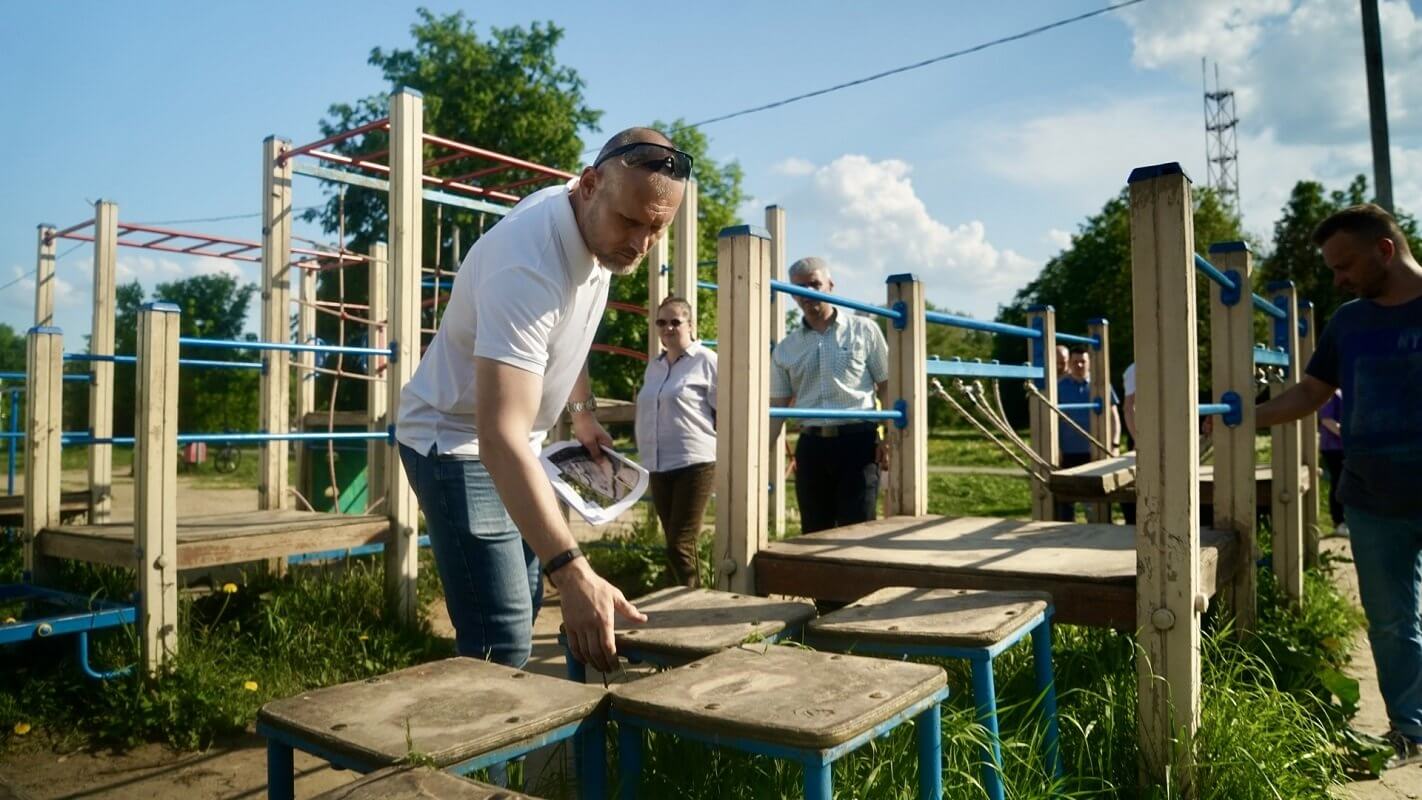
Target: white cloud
column 793, row 167
column 1058, row 238
column 866, row 218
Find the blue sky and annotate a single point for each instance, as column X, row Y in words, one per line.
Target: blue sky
column 971, row 173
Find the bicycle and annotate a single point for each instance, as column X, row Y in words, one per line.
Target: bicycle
column 227, row 459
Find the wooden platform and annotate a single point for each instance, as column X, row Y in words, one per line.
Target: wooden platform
column 691, row 623
column 1114, row 479
column 933, row 617
column 419, row 783
column 71, row 504
column 1089, row 570
column 207, row 541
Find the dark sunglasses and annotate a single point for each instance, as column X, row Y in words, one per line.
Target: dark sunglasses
column 668, row 323
column 655, row 157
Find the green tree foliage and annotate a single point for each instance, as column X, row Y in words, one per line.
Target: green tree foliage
column 719, row 194
column 1092, row 278
column 1295, row 257
column 209, row 400
column 505, row 92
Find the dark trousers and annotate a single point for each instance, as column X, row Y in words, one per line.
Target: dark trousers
column 680, row 497
column 836, row 478
column 1333, row 462
column 1066, row 512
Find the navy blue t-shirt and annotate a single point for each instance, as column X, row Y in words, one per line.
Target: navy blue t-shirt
column 1071, row 390
column 1374, row 354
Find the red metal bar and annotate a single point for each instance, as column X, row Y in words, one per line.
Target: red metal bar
column 79, row 226
column 481, row 173
column 383, row 122
column 327, row 155
column 171, row 236
column 146, row 246
column 493, row 156
column 232, row 252
column 434, row 162
column 331, row 255
column 516, row 184
column 471, row 189
column 631, row 308
column 133, row 226
column 620, row 351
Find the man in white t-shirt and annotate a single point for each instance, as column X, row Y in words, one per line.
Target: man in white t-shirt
column 509, row 356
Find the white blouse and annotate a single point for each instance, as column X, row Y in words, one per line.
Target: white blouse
column 676, row 411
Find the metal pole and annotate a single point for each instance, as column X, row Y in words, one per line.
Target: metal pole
column 1377, row 103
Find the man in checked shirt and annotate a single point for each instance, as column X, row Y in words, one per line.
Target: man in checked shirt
column 833, row 359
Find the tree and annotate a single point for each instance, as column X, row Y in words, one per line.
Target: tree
column 505, row 93
column 719, row 194
column 1092, row 278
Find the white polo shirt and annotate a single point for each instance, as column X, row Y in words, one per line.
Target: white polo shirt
column 838, row 368
column 528, row 294
column 676, row 411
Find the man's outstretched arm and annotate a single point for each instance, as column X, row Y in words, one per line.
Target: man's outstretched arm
column 1296, row 402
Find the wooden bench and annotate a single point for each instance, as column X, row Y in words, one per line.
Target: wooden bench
column 785, row 702
column 955, row 623
column 460, row 714
column 684, row 624
column 405, row 783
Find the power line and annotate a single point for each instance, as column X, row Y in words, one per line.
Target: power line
column 226, row 218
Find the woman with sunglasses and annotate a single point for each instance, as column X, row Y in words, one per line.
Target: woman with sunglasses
column 676, row 435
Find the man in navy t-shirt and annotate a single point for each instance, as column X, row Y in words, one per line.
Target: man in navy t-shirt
column 1372, row 350
column 1074, row 388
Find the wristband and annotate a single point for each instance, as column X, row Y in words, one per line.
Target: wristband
column 561, row 560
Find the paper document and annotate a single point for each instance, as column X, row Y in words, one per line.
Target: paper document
column 598, row 492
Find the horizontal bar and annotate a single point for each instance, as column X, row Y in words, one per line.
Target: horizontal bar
column 1094, row 405
column 360, row 550
column 305, row 436
column 957, row 368
column 940, row 318
column 290, row 347
column 790, row 412
column 68, row 376
column 1214, row 274
column 183, row 362
column 383, row 122
column 382, row 185
column 1270, row 358
column 1269, row 308
column 1075, row 339
column 83, row 439
column 707, row 285
column 490, row 155
column 1208, row 409
column 800, row 291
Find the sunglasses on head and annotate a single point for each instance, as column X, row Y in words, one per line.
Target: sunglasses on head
column 668, row 323
column 651, row 156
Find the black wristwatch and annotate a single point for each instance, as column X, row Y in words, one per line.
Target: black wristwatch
column 561, row 560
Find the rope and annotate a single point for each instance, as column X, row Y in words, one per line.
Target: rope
column 324, row 306
column 1037, row 393
column 336, row 373
column 943, row 393
column 999, row 418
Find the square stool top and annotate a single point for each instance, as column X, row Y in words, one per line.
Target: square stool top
column 450, row 711
column 407, row 783
column 778, row 694
column 689, row 623
column 946, row 617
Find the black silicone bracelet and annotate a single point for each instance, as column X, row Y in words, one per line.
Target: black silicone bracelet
column 561, row 560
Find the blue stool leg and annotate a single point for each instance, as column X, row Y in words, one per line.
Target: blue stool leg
column 985, row 698
column 577, row 672
column 819, row 780
column 280, row 771
column 591, row 764
column 499, row 774
column 629, row 754
column 1046, row 686
column 928, row 729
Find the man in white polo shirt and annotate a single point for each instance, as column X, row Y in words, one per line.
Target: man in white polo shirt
column 510, row 354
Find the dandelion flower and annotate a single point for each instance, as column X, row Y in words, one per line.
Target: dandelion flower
column 22, row 728
column 250, row 686
column 229, row 588
column 9, row 620
column 364, row 636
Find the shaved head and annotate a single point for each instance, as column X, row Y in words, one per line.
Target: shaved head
column 622, row 211
column 633, row 136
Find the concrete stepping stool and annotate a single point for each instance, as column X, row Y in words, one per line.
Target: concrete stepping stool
column 785, row 702
column 461, row 714
column 685, row 624
column 954, row 623
column 409, row 783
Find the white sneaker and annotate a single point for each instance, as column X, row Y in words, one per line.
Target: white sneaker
column 1408, row 751
column 1341, row 529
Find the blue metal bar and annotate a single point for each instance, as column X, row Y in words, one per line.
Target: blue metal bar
column 1215, row 275
column 711, row 343
column 928, row 730
column 71, row 377
column 182, row 362
column 1270, row 358
column 940, row 318
column 1211, row 409
column 1269, row 308
column 957, row 368
column 811, row 294
column 10, row 445
column 1073, row 338
column 1094, row 405
column 361, row 550
column 290, row 347
column 782, row 412
column 381, row 185
column 1047, row 691
column 707, row 285
column 81, row 654
column 308, row 436
column 985, row 699
column 83, row 439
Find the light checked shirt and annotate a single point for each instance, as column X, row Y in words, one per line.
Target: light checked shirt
column 676, row 411
column 834, row 369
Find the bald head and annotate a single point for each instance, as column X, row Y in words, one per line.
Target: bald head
column 633, row 136
column 622, row 210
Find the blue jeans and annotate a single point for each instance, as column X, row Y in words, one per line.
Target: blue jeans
column 1388, row 555
column 492, row 585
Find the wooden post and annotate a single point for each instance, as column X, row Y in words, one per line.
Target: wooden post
column 743, row 403
column 1286, row 509
column 1232, row 362
column 775, row 224
column 1100, row 427
column 908, row 383
column 44, row 419
column 658, row 287
column 1168, row 598
column 276, row 308
column 44, row 277
column 402, row 561
column 101, row 373
column 155, row 509
column 306, row 377
column 684, row 253
column 377, row 453
column 1045, row 440
column 1308, row 433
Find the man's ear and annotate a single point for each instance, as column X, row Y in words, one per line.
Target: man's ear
column 1387, row 248
column 588, row 182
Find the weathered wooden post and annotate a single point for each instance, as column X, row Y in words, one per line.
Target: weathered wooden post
column 684, row 251
column 1308, row 433
column 1100, row 427
column 276, row 309
column 1045, row 439
column 743, row 403
column 907, row 493
column 658, row 287
column 101, row 373
column 44, row 420
column 1168, row 597
column 44, row 277
column 155, row 508
column 1286, row 508
column 378, row 455
column 1232, row 370
column 775, row 224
